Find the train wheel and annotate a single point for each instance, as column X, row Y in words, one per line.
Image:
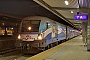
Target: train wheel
column 56, row 43
column 51, row 45
column 43, row 49
column 48, row 46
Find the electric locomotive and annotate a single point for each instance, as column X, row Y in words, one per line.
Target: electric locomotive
column 41, row 32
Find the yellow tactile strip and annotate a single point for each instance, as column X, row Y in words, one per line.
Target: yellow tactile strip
column 43, row 55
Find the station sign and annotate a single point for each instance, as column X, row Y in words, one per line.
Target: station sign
column 81, row 17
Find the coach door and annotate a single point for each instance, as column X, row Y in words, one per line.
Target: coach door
column 53, row 31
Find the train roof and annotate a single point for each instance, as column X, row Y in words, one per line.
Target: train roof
column 44, row 18
column 35, row 18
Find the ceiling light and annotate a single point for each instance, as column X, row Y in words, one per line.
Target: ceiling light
column 11, row 28
column 2, row 23
column 71, row 11
column 78, row 22
column 66, row 2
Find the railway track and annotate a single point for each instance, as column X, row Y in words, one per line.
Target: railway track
column 14, row 57
column 15, row 54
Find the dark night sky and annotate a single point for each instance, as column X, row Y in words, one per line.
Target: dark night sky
column 23, row 8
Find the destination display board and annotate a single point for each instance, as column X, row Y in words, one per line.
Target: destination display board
column 81, row 17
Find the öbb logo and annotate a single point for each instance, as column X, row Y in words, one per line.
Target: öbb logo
column 28, row 37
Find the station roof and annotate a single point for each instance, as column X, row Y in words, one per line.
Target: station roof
column 18, row 9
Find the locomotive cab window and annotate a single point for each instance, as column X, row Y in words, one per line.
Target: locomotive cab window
column 30, row 25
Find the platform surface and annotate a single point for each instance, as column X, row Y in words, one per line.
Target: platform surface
column 73, row 49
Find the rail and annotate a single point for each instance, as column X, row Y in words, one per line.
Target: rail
column 7, row 51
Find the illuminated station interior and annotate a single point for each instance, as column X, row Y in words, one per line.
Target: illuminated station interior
column 44, row 30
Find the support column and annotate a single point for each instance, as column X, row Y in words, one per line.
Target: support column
column 84, row 34
column 5, row 31
column 88, row 33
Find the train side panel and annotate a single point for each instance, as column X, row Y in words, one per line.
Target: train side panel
column 61, row 31
column 48, row 31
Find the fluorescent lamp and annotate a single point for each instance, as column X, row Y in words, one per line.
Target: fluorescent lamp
column 71, row 11
column 66, row 2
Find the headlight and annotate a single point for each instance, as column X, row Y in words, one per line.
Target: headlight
column 29, row 28
column 39, row 37
column 19, row 37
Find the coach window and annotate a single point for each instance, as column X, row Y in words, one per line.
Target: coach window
column 46, row 25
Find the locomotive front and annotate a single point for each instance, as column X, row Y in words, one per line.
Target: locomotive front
column 29, row 30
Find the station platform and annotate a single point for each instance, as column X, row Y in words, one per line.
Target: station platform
column 72, row 49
